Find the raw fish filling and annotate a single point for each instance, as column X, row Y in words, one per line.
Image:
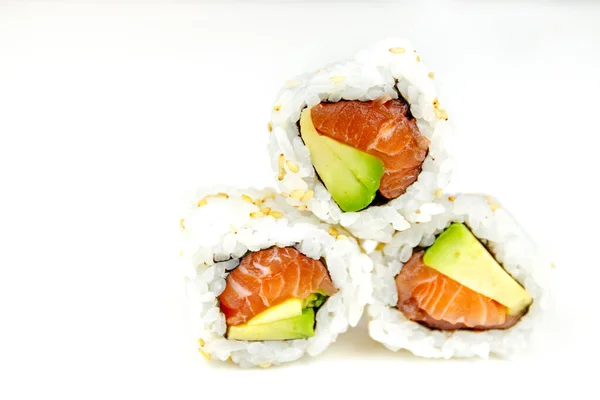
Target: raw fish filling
column 438, row 301
column 382, row 128
column 429, row 297
column 273, row 294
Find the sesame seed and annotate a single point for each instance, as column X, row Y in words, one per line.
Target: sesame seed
column 309, row 195
column 256, row 214
column 493, row 205
column 333, row 232
column 265, row 365
column 281, row 168
column 342, row 237
column 436, row 103
column 204, row 201
column 337, row 79
column 277, row 107
column 301, row 208
column 397, row 50
column 265, row 210
column 201, row 341
column 270, row 126
column 440, row 114
column 292, row 166
column 247, row 198
column 439, row 193
column 276, row 214
column 431, row 75
column 297, row 194
column 418, row 212
column 553, row 265
column 205, row 354
column 181, row 223
column 418, row 59
column 451, row 198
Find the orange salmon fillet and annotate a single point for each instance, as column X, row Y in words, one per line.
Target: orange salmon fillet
column 269, row 277
column 381, row 128
column 427, row 296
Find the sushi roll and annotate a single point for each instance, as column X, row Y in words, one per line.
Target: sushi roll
column 266, row 283
column 468, row 283
column 364, row 142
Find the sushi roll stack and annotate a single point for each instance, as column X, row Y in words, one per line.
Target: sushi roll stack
column 360, row 151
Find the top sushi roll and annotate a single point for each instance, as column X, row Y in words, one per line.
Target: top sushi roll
column 361, row 143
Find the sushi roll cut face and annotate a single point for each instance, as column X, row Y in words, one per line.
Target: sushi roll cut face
column 363, row 142
column 364, row 151
column 266, row 283
column 456, row 284
column 273, row 295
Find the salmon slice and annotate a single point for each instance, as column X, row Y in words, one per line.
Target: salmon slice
column 381, row 128
column 269, row 277
column 427, row 296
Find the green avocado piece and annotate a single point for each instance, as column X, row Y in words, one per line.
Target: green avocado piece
column 298, row 327
column 314, row 300
column 351, row 176
column 288, row 309
column 458, row 254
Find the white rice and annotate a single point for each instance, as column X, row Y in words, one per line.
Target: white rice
column 512, row 248
column 389, row 67
column 223, row 229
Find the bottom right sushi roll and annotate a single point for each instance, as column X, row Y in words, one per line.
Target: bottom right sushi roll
column 469, row 282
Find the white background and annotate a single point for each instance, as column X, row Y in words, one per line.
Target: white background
column 109, row 112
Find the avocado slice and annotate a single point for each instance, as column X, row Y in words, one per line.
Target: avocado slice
column 288, row 309
column 314, row 300
column 351, row 176
column 458, row 254
column 299, row 327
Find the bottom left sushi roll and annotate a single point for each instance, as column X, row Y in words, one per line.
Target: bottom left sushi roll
column 267, row 283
